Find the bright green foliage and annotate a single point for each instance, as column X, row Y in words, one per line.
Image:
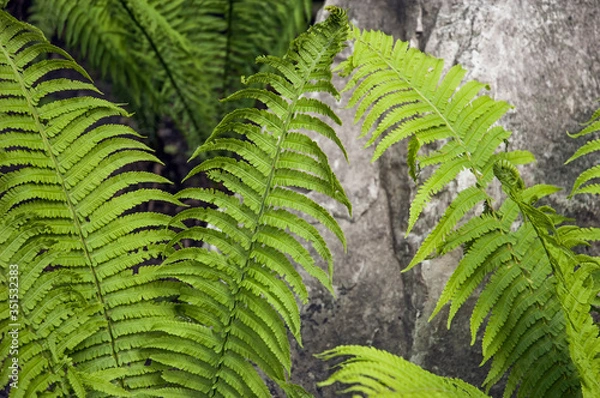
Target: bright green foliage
column 174, row 57
column 400, row 93
column 574, row 286
column 525, row 335
column 239, row 294
column 375, row 373
column 581, row 183
column 531, row 335
column 579, row 290
column 70, row 243
column 256, row 27
column 95, row 321
column 581, row 274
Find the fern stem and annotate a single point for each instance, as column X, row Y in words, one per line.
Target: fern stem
column 163, row 63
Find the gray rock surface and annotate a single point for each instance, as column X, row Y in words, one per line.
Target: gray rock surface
column 541, row 56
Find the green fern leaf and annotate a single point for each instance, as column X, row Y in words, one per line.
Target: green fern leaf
column 70, row 238
column 576, row 291
column 442, row 176
column 469, row 232
column 400, row 93
column 486, row 254
column 258, row 234
column 196, row 49
column 549, row 306
column 464, row 201
column 501, row 280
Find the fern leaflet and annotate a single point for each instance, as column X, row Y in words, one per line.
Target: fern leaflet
column 581, row 184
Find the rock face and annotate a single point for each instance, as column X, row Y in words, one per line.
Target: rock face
column 542, row 57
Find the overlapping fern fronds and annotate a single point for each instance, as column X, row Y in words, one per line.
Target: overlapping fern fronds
column 70, row 243
column 582, row 183
column 174, row 57
column 376, row 373
column 578, row 290
column 148, row 49
column 401, row 93
column 581, row 273
column 525, row 335
column 575, row 280
column 239, row 293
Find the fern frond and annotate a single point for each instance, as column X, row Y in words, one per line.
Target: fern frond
column 240, row 293
column 375, row 373
column 400, row 93
column 576, row 295
column 582, row 182
column 526, row 323
column 70, row 238
column 251, row 27
column 567, row 299
column 196, row 50
column 125, row 39
column 575, row 290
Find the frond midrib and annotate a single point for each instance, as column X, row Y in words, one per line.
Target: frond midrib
column 70, row 204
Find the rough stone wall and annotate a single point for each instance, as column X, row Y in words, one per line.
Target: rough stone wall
column 543, row 57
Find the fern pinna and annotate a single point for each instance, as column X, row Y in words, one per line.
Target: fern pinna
column 585, row 182
column 69, row 244
column 173, row 57
column 238, row 296
column 401, row 93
